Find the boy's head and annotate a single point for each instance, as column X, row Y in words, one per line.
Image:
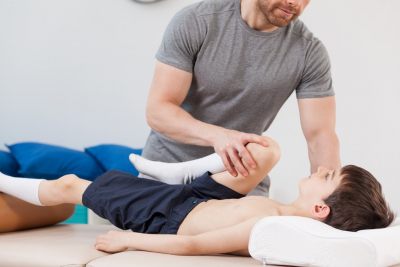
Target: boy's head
column 348, row 199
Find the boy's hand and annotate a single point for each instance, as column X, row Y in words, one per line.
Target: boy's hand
column 113, row 241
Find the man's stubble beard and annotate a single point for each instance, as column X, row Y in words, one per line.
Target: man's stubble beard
column 266, row 12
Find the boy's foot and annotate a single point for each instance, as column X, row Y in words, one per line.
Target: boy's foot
column 26, row 189
column 170, row 173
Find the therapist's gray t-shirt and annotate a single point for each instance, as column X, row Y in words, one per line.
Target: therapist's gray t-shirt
column 241, row 76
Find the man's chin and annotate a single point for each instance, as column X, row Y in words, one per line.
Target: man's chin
column 280, row 21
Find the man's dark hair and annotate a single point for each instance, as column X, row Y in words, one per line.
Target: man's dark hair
column 358, row 202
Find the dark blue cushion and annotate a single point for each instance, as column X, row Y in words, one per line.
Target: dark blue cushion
column 38, row 160
column 8, row 165
column 114, row 157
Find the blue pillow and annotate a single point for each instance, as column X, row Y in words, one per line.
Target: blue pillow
column 8, row 165
column 114, row 157
column 38, row 160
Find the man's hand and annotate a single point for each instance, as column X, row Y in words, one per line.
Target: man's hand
column 230, row 146
column 113, row 241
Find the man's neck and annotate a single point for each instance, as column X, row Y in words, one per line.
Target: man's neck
column 252, row 15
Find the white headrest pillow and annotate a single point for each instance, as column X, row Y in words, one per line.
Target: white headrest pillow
column 300, row 241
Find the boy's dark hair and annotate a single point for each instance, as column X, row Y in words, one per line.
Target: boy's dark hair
column 358, row 203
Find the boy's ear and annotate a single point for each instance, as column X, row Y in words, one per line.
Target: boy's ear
column 320, row 212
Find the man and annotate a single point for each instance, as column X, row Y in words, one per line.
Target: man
column 225, row 68
column 210, row 215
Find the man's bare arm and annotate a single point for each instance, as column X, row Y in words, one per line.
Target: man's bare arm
column 226, row 240
column 318, row 119
column 163, row 112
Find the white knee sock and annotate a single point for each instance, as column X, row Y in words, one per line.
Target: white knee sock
column 178, row 173
column 26, row 189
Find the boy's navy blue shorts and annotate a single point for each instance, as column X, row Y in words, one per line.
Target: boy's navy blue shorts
column 148, row 206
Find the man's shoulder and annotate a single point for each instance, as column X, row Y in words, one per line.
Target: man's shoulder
column 303, row 37
column 209, row 7
column 299, row 29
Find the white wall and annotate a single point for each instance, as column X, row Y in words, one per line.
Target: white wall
column 77, row 73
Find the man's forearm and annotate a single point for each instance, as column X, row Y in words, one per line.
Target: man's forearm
column 168, row 244
column 324, row 150
column 177, row 124
column 169, row 119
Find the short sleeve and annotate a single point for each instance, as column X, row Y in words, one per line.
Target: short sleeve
column 316, row 80
column 182, row 40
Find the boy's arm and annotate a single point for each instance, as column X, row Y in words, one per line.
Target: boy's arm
column 224, row 240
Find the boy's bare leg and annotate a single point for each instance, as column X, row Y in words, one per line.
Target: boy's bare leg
column 171, row 173
column 22, row 214
column 67, row 189
column 266, row 158
column 16, row 214
column 180, row 172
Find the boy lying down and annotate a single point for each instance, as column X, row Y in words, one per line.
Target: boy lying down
column 211, row 214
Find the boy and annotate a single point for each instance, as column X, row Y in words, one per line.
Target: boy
column 211, row 214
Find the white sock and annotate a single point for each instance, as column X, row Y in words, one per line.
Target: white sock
column 178, row 173
column 26, row 189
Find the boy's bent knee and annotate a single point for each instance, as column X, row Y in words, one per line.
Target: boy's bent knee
column 71, row 188
column 274, row 148
column 68, row 181
column 261, row 153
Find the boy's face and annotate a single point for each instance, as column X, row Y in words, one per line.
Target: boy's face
column 319, row 185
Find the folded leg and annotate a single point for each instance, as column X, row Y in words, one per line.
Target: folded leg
column 185, row 172
column 266, row 158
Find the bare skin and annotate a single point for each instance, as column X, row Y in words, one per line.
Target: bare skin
column 171, row 85
column 224, row 226
column 228, row 221
column 269, row 15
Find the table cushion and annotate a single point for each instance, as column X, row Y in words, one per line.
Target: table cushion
column 133, row 258
column 69, row 245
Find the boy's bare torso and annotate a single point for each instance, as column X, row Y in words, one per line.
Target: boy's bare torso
column 217, row 214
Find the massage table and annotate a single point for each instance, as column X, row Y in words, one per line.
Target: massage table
column 72, row 245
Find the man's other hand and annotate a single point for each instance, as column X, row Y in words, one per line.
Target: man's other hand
column 230, row 146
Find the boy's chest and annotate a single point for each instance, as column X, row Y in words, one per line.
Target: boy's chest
column 218, row 214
